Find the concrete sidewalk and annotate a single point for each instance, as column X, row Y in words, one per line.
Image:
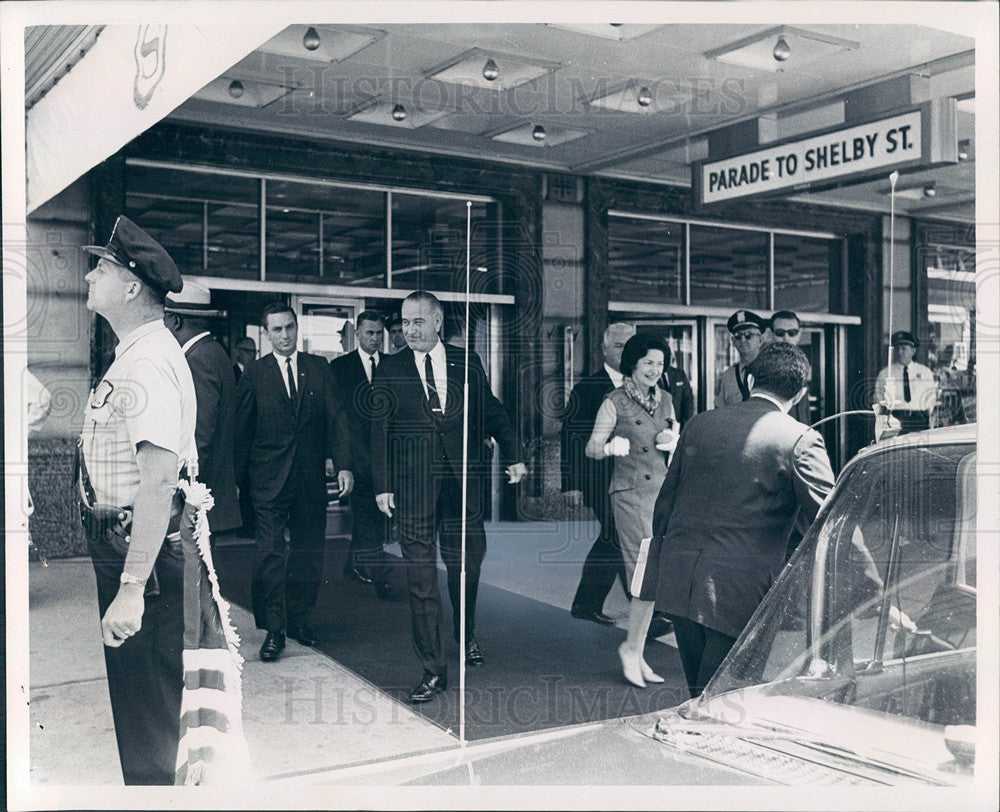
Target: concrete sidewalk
column 289, row 732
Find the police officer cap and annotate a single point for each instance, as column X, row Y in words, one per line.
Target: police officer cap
column 136, row 251
column 901, row 337
column 745, row 319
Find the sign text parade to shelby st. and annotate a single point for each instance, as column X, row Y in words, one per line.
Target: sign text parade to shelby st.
column 837, row 154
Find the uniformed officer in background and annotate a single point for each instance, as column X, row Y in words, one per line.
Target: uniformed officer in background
column 747, row 331
column 138, row 434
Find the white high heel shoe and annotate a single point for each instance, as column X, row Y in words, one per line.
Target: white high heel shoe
column 648, row 674
column 631, row 666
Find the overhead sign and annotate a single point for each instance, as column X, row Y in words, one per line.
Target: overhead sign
column 889, row 142
column 134, row 76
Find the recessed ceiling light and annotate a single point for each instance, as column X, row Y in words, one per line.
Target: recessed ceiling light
column 241, row 92
column 797, row 45
column 527, row 134
column 394, row 114
column 469, row 68
column 661, row 96
column 617, row 31
column 333, row 43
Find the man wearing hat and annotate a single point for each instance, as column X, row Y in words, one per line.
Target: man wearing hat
column 187, row 316
column 734, row 385
column 906, row 388
column 138, row 433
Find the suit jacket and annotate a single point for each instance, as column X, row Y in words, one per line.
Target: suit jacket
column 677, row 384
column 410, row 445
column 237, row 372
column 579, row 472
column 726, row 508
column 276, row 436
column 727, row 389
column 351, row 379
column 215, row 390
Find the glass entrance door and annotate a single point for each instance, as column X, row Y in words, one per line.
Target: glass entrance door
column 681, row 336
column 326, row 325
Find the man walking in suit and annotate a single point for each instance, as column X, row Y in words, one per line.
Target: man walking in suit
column 591, row 478
column 353, row 373
column 747, row 330
column 289, row 421
column 417, row 451
column 735, row 483
column 186, row 315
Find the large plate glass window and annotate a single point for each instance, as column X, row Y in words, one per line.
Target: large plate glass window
column 429, row 244
column 729, row 267
column 325, row 234
column 645, row 260
column 803, row 268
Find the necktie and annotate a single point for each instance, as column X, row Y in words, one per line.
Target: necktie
column 371, row 372
column 906, row 383
column 743, row 379
column 292, row 391
column 432, row 392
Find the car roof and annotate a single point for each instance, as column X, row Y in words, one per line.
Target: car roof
column 966, row 433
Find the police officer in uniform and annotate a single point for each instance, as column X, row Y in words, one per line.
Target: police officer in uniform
column 907, row 389
column 747, row 331
column 138, row 434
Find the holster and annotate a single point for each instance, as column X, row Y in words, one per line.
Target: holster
column 108, row 529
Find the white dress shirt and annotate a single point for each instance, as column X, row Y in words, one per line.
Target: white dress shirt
column 616, row 377
column 283, row 367
column 367, row 364
column 190, row 342
column 439, row 362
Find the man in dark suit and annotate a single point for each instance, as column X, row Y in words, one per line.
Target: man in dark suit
column 289, row 421
column 417, row 464
column 590, row 478
column 186, row 315
column 786, row 327
column 735, row 483
column 353, row 373
column 677, row 384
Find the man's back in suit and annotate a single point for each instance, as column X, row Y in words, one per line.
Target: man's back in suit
column 734, row 486
column 215, row 387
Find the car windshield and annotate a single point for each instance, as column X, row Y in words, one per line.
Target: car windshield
column 876, row 610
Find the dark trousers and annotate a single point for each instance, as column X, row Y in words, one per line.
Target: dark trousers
column 146, row 672
column 369, row 531
column 912, row 420
column 417, row 535
column 603, row 564
column 702, row 651
column 287, row 575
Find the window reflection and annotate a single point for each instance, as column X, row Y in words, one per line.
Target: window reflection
column 729, row 267
column 645, row 260
column 349, row 223
column 429, row 244
column 803, row 268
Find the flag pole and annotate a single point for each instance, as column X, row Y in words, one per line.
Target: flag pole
column 893, row 177
column 465, row 477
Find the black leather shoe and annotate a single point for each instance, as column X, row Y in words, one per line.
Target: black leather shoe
column 473, row 656
column 592, row 614
column 429, row 686
column 304, row 635
column 354, row 574
column 273, row 645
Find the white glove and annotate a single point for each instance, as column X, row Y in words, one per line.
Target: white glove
column 616, row 447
